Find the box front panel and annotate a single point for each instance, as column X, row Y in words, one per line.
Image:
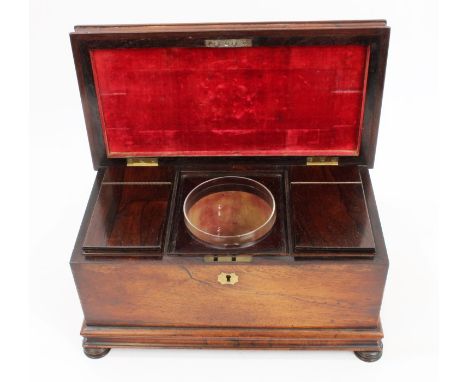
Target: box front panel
column 267, row 293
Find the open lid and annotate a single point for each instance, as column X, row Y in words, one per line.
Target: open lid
column 276, row 90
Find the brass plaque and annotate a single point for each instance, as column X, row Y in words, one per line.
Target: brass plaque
column 229, row 43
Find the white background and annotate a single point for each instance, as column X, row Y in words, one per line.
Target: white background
column 416, row 180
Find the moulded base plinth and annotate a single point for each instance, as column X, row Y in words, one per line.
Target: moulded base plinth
column 362, row 341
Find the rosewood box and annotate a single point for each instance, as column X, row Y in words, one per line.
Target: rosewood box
column 232, row 206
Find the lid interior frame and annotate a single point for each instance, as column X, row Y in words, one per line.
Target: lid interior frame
column 373, row 34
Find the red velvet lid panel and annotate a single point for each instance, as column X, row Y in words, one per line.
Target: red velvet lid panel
column 255, row 101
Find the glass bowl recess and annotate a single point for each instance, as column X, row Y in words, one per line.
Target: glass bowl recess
column 229, row 211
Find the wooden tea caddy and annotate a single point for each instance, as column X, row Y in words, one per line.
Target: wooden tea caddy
column 295, row 106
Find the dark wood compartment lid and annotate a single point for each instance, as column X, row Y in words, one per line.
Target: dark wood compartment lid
column 329, row 214
column 130, row 213
column 260, row 110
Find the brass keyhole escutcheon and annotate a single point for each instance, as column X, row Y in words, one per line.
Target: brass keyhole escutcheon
column 228, row 278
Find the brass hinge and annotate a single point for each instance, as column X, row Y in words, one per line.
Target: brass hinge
column 322, row 161
column 142, row 162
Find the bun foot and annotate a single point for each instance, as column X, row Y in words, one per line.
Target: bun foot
column 369, row 356
column 96, row 353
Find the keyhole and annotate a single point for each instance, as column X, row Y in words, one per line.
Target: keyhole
column 227, row 278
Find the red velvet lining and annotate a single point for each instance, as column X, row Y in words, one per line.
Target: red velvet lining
column 231, row 101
